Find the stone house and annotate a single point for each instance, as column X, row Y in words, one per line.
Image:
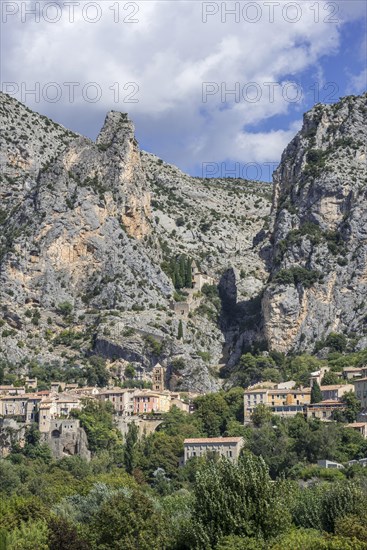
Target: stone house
column 56, row 386
column 230, row 447
column 324, row 410
column 354, row 372
column 14, row 406
column 283, row 403
column 47, row 411
column 31, row 383
column 32, row 407
column 121, row 399
column 12, row 390
column 66, row 402
column 199, row 279
column 335, row 392
column 361, row 391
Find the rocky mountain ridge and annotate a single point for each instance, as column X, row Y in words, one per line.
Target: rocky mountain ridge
column 90, row 231
column 84, row 234
column 319, row 262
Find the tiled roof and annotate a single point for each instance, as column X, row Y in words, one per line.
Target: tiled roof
column 333, row 387
column 214, row 440
column 356, row 425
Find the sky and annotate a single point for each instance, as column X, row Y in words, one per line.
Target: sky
column 216, row 88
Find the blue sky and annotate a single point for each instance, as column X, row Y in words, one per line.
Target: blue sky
column 172, row 65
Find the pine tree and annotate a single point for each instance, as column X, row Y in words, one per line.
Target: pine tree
column 180, row 330
column 316, row 394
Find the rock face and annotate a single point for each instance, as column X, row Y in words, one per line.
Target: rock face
column 319, row 263
column 88, row 227
column 88, row 231
column 67, row 438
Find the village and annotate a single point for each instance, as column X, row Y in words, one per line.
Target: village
column 51, row 409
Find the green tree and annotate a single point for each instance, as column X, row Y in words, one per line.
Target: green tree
column 130, row 372
column 261, row 415
column 28, row 536
column 237, row 499
column 316, row 394
column 342, row 499
column 251, row 368
column 336, row 342
column 307, row 539
column 130, row 521
column 96, row 417
column 234, row 542
column 159, row 450
column 66, row 535
column 213, row 413
column 188, row 273
column 352, row 526
column 353, row 406
column 330, row 378
column 234, row 400
column 96, row 372
column 271, row 374
column 129, row 450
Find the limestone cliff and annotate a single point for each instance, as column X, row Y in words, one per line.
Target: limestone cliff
column 85, row 231
column 319, row 266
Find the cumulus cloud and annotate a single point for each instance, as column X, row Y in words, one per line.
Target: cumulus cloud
column 159, row 67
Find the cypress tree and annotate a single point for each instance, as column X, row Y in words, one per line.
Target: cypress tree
column 180, row 330
column 130, row 442
column 188, row 279
column 316, row 394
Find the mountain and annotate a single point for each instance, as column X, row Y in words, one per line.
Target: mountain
column 89, row 235
column 99, row 242
column 318, row 281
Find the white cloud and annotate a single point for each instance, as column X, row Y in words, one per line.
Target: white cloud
column 169, row 53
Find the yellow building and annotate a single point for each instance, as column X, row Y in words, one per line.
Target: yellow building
column 335, row 392
column 284, row 402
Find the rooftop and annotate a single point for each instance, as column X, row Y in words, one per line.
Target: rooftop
column 213, row 440
column 334, row 387
column 356, row 425
column 351, row 369
column 327, row 402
